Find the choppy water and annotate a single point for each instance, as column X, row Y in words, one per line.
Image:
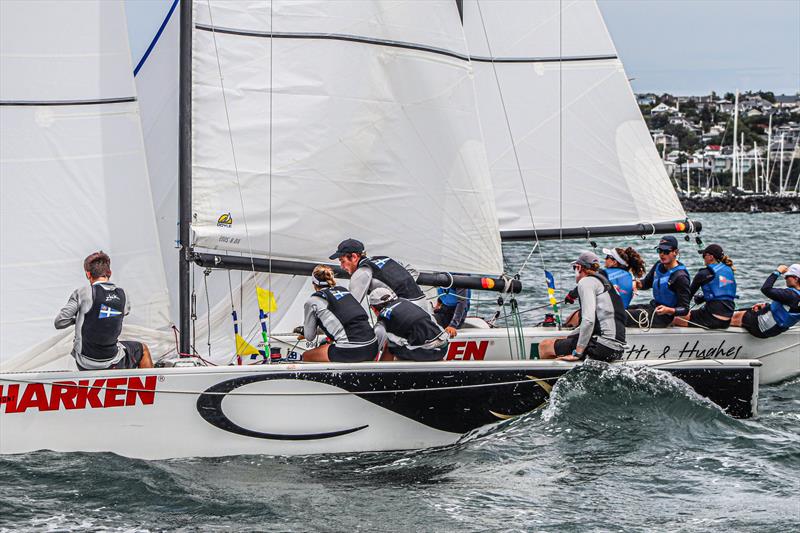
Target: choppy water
column 614, row 450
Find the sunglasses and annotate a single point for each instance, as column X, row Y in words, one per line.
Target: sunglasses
column 665, row 252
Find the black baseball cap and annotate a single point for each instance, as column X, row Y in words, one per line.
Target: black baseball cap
column 348, row 246
column 668, row 243
column 715, row 250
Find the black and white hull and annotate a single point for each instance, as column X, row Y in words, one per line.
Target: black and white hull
column 299, row 409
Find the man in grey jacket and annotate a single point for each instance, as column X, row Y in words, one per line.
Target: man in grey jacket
column 601, row 333
column 97, row 311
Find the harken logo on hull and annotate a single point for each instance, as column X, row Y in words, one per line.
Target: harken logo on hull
column 83, row 394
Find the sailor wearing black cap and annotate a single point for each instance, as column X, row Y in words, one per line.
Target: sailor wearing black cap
column 669, row 280
column 369, row 273
column 766, row 320
column 601, row 333
column 719, row 291
column 334, row 310
column 404, row 330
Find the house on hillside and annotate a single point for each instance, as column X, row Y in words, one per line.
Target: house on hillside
column 663, row 109
column 646, row 99
column 724, row 106
column 664, row 142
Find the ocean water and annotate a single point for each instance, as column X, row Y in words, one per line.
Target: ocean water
column 613, row 450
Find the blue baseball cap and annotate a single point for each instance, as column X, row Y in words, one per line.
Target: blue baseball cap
column 348, row 246
column 667, row 243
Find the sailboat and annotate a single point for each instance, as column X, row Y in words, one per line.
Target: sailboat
column 299, row 122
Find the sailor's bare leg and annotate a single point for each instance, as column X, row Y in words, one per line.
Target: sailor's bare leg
column 736, row 319
column 387, row 355
column 547, row 348
column 574, row 319
column 682, row 321
column 147, row 360
column 317, row 355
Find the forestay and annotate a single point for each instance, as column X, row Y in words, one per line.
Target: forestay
column 358, row 119
column 548, row 72
column 72, row 170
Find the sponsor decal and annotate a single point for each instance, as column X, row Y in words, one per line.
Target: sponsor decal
column 112, row 297
column 95, row 394
column 466, row 350
column 724, row 281
column 225, row 220
column 107, row 312
column 689, row 350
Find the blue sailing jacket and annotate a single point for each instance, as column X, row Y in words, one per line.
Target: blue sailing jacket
column 622, row 280
column 662, row 294
column 783, row 317
column 723, row 286
column 449, row 298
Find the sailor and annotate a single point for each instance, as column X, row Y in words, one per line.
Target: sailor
column 341, row 318
column 719, row 291
column 669, row 280
column 404, row 330
column 601, row 333
column 451, row 308
column 622, row 265
column 369, row 273
column 97, row 310
column 766, row 320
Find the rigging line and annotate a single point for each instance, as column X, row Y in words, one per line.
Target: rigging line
column 208, row 312
column 230, row 137
column 269, row 178
column 560, row 117
column 511, row 135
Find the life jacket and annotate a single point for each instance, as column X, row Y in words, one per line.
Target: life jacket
column 408, row 321
column 390, row 272
column 622, row 280
column 102, row 323
column 783, row 317
column 449, row 298
column 620, row 315
column 723, row 286
column 349, row 312
column 662, row 293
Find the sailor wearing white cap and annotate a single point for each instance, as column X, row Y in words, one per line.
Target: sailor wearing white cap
column 766, row 320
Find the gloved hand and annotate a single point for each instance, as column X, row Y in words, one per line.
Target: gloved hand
column 299, row 330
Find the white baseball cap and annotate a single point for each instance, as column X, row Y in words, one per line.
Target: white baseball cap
column 613, row 253
column 381, row 296
column 794, row 270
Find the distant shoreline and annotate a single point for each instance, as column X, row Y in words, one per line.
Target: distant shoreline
column 729, row 204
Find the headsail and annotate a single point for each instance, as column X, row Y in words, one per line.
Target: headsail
column 566, row 142
column 72, row 171
column 339, row 119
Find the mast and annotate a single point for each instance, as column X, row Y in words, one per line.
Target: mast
column 768, row 174
column 735, row 172
column 780, row 178
column 185, row 172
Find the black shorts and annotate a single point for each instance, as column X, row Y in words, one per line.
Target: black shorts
column 750, row 323
column 643, row 315
column 593, row 350
column 703, row 318
column 134, row 351
column 353, row 355
column 419, row 354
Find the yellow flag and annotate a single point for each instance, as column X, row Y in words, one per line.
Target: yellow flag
column 266, row 300
column 243, row 347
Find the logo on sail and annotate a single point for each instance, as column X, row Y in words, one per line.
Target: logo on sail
column 225, row 220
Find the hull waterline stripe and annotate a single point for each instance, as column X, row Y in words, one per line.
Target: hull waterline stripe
column 396, row 44
column 102, row 101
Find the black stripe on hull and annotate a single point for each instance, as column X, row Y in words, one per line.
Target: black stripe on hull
column 461, row 400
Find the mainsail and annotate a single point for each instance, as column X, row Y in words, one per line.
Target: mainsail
column 567, row 145
column 317, row 121
column 72, row 170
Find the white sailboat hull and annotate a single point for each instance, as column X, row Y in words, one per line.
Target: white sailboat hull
column 299, row 409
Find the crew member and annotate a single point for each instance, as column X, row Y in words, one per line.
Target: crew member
column 451, row 308
column 719, row 291
column 369, row 273
column 404, row 330
column 622, row 265
column 97, row 310
column 669, row 280
column 342, row 319
column 601, row 333
column 766, row 320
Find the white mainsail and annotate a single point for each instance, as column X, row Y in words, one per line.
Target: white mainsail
column 72, row 171
column 567, row 145
column 358, row 119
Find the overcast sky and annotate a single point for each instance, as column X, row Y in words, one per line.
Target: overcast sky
column 675, row 46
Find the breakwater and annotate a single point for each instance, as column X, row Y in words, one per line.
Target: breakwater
column 733, row 204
